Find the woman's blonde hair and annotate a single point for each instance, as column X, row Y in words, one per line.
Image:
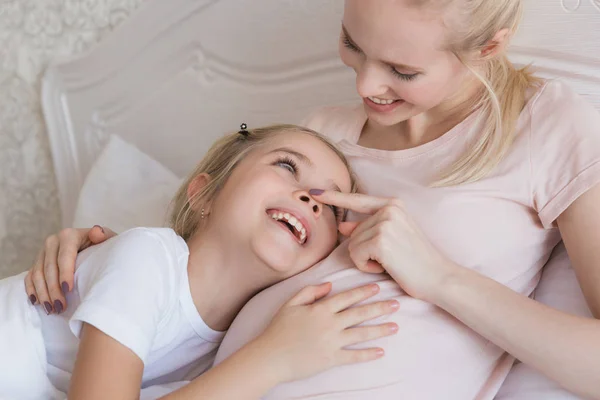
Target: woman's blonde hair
column 505, row 88
column 219, row 162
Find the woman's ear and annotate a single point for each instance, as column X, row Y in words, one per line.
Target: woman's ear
column 497, row 44
column 195, row 187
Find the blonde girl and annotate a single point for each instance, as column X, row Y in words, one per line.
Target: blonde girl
column 152, row 305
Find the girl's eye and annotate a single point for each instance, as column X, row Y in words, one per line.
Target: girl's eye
column 336, row 212
column 288, row 164
column 404, row 77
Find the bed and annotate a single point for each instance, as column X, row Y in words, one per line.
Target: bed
column 180, row 73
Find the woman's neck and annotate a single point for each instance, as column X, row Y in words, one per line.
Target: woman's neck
column 223, row 278
column 421, row 128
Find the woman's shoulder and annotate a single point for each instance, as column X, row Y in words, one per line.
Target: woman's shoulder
column 337, row 122
column 557, row 100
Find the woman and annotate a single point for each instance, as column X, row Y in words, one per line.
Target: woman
column 476, row 171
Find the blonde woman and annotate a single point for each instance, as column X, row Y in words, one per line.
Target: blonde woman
column 473, row 172
column 248, row 196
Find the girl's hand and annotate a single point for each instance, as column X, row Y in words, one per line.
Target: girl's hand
column 51, row 277
column 390, row 240
column 309, row 335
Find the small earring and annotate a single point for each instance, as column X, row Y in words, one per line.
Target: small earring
column 202, row 214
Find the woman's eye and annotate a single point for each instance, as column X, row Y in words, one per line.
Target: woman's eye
column 404, row 77
column 349, row 45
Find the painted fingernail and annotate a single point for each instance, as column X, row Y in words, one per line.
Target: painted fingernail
column 394, row 304
column 380, row 352
column 315, row 192
column 32, row 299
column 98, row 226
column 393, row 328
column 65, row 287
column 48, row 307
column 58, row 306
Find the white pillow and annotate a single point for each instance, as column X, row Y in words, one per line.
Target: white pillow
column 125, row 188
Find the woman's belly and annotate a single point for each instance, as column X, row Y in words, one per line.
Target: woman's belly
column 433, row 356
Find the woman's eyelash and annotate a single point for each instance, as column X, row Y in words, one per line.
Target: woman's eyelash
column 404, row 77
column 287, row 163
column 348, row 44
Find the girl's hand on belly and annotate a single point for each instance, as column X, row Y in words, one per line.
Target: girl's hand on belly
column 310, row 334
column 390, row 240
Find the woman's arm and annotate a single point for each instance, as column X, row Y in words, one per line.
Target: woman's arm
column 104, row 369
column 51, row 277
column 564, row 347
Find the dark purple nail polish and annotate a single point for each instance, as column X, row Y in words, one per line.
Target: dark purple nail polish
column 65, row 287
column 58, row 306
column 48, row 307
column 316, row 192
column 32, row 299
column 101, row 228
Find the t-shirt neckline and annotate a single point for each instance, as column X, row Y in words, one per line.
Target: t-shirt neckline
column 192, row 314
column 349, row 145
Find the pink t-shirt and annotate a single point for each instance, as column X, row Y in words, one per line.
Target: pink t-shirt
column 502, row 226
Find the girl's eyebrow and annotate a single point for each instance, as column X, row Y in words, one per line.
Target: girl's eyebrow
column 304, row 160
column 392, row 64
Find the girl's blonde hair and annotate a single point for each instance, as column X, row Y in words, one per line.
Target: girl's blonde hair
column 505, row 88
column 219, row 162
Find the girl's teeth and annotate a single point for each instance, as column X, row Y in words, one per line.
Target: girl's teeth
column 293, row 221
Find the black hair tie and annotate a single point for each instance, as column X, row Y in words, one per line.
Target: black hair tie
column 244, row 130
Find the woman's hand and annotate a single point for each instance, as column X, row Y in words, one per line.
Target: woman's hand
column 390, row 240
column 51, row 277
column 310, row 334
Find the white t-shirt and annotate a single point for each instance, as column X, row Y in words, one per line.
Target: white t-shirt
column 134, row 288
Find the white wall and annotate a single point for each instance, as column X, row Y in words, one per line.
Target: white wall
column 32, row 33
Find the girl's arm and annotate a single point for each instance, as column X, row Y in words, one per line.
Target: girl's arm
column 306, row 336
column 104, row 369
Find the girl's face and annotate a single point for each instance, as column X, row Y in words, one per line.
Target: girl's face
column 398, row 55
column 266, row 208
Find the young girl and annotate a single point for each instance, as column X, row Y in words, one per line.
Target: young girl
column 152, row 305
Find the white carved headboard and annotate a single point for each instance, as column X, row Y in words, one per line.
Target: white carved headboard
column 183, row 69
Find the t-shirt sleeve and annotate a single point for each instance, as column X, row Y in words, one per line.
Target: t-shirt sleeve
column 124, row 289
column 335, row 123
column 565, row 150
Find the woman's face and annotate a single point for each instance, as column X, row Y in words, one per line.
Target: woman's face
column 398, row 55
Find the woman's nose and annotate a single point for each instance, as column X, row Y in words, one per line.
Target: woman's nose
column 304, row 197
column 369, row 80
